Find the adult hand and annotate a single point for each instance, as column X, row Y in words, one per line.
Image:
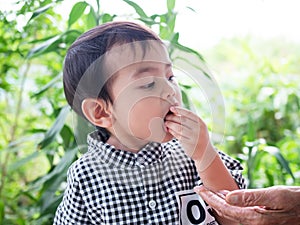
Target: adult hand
column 276, row 205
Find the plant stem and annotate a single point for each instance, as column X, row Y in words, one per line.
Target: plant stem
column 14, row 127
column 98, row 12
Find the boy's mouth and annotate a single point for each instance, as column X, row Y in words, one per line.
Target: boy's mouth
column 168, row 113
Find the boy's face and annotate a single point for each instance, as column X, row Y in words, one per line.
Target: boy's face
column 142, row 95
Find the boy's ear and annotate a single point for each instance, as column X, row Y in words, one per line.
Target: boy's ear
column 97, row 111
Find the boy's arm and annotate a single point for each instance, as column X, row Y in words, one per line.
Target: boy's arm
column 216, row 177
column 213, row 172
column 192, row 133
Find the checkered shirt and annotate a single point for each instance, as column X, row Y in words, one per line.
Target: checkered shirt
column 111, row 186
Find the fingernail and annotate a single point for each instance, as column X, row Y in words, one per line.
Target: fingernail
column 197, row 189
column 260, row 209
column 223, row 192
column 173, row 109
column 233, row 199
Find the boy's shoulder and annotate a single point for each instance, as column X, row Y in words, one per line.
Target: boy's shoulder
column 89, row 161
column 83, row 164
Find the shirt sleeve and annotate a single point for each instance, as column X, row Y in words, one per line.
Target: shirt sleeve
column 235, row 168
column 72, row 209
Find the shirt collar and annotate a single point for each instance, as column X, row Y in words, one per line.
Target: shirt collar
column 151, row 153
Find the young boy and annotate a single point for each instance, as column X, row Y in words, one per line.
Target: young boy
column 148, row 153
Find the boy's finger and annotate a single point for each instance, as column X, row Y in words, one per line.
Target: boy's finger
column 178, row 130
column 184, row 112
column 184, row 121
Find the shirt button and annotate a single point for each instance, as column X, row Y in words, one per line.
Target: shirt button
column 152, row 204
column 140, row 160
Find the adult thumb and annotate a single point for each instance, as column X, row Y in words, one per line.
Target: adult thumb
column 250, row 197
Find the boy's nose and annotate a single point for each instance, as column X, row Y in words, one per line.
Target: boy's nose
column 169, row 90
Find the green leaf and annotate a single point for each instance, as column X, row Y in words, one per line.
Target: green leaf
column 251, row 131
column 29, row 195
column 186, row 86
column 58, row 172
column 40, row 11
column 34, row 41
column 55, row 129
column 167, row 25
column 2, row 211
column 48, row 46
column 67, row 136
column 255, row 159
column 190, row 8
column 148, row 21
column 51, row 182
column 137, row 8
column 175, row 39
column 176, row 44
column 47, row 86
column 164, row 30
column 280, row 158
column 76, row 12
column 70, row 36
column 107, row 17
column 91, row 19
column 253, row 163
column 185, row 99
column 171, row 5
column 23, row 161
column 270, row 177
column 50, row 204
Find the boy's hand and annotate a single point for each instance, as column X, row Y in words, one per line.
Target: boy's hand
column 190, row 130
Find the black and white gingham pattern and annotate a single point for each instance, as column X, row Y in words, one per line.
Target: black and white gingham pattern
column 110, row 186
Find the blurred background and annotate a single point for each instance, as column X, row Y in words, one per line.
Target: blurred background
column 251, row 48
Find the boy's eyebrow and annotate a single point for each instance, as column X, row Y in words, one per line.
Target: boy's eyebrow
column 148, row 68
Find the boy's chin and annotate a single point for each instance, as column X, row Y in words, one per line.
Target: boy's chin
column 160, row 137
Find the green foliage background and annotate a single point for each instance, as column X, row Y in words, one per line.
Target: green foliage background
column 259, row 81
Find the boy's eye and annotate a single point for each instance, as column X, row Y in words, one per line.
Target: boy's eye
column 172, row 78
column 149, row 85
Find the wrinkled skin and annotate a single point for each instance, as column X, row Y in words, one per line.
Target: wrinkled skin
column 276, row 205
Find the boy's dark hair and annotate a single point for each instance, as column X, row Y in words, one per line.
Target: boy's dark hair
column 85, row 51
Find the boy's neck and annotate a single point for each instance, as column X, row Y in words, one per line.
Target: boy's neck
column 130, row 147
